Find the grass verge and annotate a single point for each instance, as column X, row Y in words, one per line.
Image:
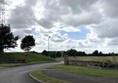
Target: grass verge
column 39, row 75
column 10, row 65
column 23, row 64
column 32, row 58
column 88, row 71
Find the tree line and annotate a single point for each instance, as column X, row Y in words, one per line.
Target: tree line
column 8, row 40
column 74, row 53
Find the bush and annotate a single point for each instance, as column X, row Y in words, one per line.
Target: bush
column 106, row 63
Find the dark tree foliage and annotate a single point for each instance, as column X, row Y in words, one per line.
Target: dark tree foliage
column 27, row 43
column 81, row 53
column 72, row 52
column 52, row 54
column 95, row 53
column 7, row 39
column 58, row 54
column 101, row 54
column 45, row 53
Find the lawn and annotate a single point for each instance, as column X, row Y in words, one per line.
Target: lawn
column 10, row 65
column 39, row 75
column 88, row 71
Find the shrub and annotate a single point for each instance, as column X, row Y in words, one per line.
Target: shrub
column 106, row 63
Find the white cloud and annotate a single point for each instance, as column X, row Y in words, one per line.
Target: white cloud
column 43, row 18
column 69, row 29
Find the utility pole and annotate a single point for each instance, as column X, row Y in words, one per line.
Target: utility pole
column 48, row 46
column 2, row 11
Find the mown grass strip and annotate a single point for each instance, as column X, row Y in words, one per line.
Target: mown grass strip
column 10, row 65
column 23, row 64
column 88, row 71
column 39, row 75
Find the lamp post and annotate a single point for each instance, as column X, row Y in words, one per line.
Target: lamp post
column 48, row 46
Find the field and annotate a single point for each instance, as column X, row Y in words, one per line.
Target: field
column 93, row 58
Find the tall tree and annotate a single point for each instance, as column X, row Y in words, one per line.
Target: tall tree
column 45, row 53
column 27, row 43
column 7, row 39
column 58, row 54
column 71, row 52
column 95, row 53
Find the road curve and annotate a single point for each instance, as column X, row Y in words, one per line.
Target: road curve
column 21, row 74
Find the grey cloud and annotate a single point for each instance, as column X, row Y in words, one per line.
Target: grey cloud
column 107, row 29
column 77, row 5
column 55, row 11
column 110, row 7
column 47, row 23
column 85, row 18
column 114, row 41
column 54, row 7
column 31, row 2
column 62, row 11
column 23, row 16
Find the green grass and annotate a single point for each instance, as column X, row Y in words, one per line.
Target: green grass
column 10, row 65
column 39, row 75
column 36, row 57
column 32, row 58
column 20, row 56
column 88, row 71
column 93, row 58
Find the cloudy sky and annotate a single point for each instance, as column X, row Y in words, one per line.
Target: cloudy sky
column 85, row 25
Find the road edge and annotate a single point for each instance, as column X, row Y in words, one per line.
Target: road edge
column 36, row 78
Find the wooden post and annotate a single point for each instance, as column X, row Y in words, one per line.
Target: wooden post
column 66, row 59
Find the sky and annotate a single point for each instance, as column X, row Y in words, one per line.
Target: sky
column 85, row 25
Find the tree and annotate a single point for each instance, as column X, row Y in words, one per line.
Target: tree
column 101, row 54
column 7, row 39
column 95, row 53
column 45, row 53
column 71, row 52
column 27, row 43
column 80, row 53
column 58, row 54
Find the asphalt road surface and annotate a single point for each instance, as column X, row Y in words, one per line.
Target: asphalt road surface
column 77, row 78
column 21, row 74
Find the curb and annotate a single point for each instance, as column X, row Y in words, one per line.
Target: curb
column 36, row 79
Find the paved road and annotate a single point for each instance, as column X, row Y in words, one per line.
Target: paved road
column 21, row 74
